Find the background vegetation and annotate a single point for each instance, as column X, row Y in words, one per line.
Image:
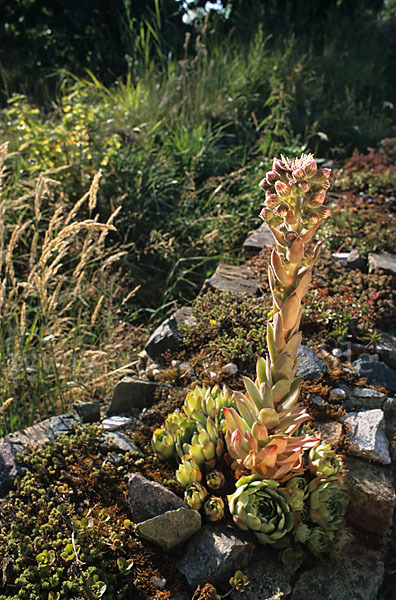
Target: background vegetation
column 179, row 106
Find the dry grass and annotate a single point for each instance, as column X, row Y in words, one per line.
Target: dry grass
column 61, row 338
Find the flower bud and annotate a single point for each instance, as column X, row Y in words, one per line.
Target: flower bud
column 298, row 173
column 290, row 236
column 263, row 184
column 317, row 199
column 304, row 186
column 313, row 218
column 271, row 177
column 278, row 166
column 310, row 168
column 282, row 189
column 271, row 200
column 323, row 212
column 266, row 214
column 321, row 176
column 282, row 210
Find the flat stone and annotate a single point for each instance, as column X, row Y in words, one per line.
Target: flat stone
column 230, row 278
column 89, row 412
column 376, row 372
column 9, row 467
column 258, row 239
column 356, row 578
column 372, row 496
column 116, row 440
column 132, row 393
column 387, row 349
column 367, row 435
column 329, row 431
column 268, row 578
column 171, row 529
column 148, row 499
column 116, row 422
column 350, row 260
column 214, row 554
column 30, row 437
column 167, row 336
column 384, row 261
column 311, row 366
column 363, row 398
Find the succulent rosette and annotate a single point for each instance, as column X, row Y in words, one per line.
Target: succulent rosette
column 203, row 402
column 239, row 581
column 327, row 502
column 260, row 505
column 188, row 471
column 195, row 495
column 163, row 444
column 214, row 508
column 215, row 480
column 324, row 462
column 320, row 540
column 206, row 444
column 296, row 492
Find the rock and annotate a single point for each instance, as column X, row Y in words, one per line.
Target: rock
column 258, row 239
column 149, row 499
column 387, row 349
column 337, row 394
column 89, row 412
column 171, row 529
column 372, row 496
column 329, row 431
column 357, row 577
column 229, row 369
column 268, row 578
column 116, row 422
column 375, row 372
column 363, row 398
column 214, row 554
column 311, row 366
column 30, row 437
column 367, row 435
column 9, row 467
column 229, row 278
column 132, row 393
column 384, row 261
column 116, row 440
column 350, row 260
column 317, row 401
column 167, row 336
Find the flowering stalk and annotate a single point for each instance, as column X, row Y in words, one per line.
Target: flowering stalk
column 260, row 429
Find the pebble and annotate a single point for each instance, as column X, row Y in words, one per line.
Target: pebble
column 115, row 422
column 337, row 394
column 230, row 369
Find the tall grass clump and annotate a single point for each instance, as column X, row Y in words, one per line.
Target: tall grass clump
column 56, row 295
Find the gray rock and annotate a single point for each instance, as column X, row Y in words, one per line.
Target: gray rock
column 384, row 261
column 36, row 435
column 375, row 372
column 167, row 336
column 350, row 260
column 229, row 278
column 268, row 578
column 317, row 401
column 89, row 412
column 356, row 578
column 387, row 349
column 363, row 398
column 372, row 496
column 132, row 393
column 9, row 467
column 337, row 394
column 229, row 369
column 311, row 366
column 171, row 529
column 258, row 239
column 116, row 422
column 367, row 435
column 148, row 499
column 214, row 554
column 116, row 440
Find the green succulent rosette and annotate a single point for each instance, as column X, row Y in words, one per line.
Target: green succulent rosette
column 195, row 495
column 261, row 505
column 214, row 508
column 215, row 480
column 163, row 444
column 296, row 492
column 323, row 461
column 188, row 471
column 327, row 502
